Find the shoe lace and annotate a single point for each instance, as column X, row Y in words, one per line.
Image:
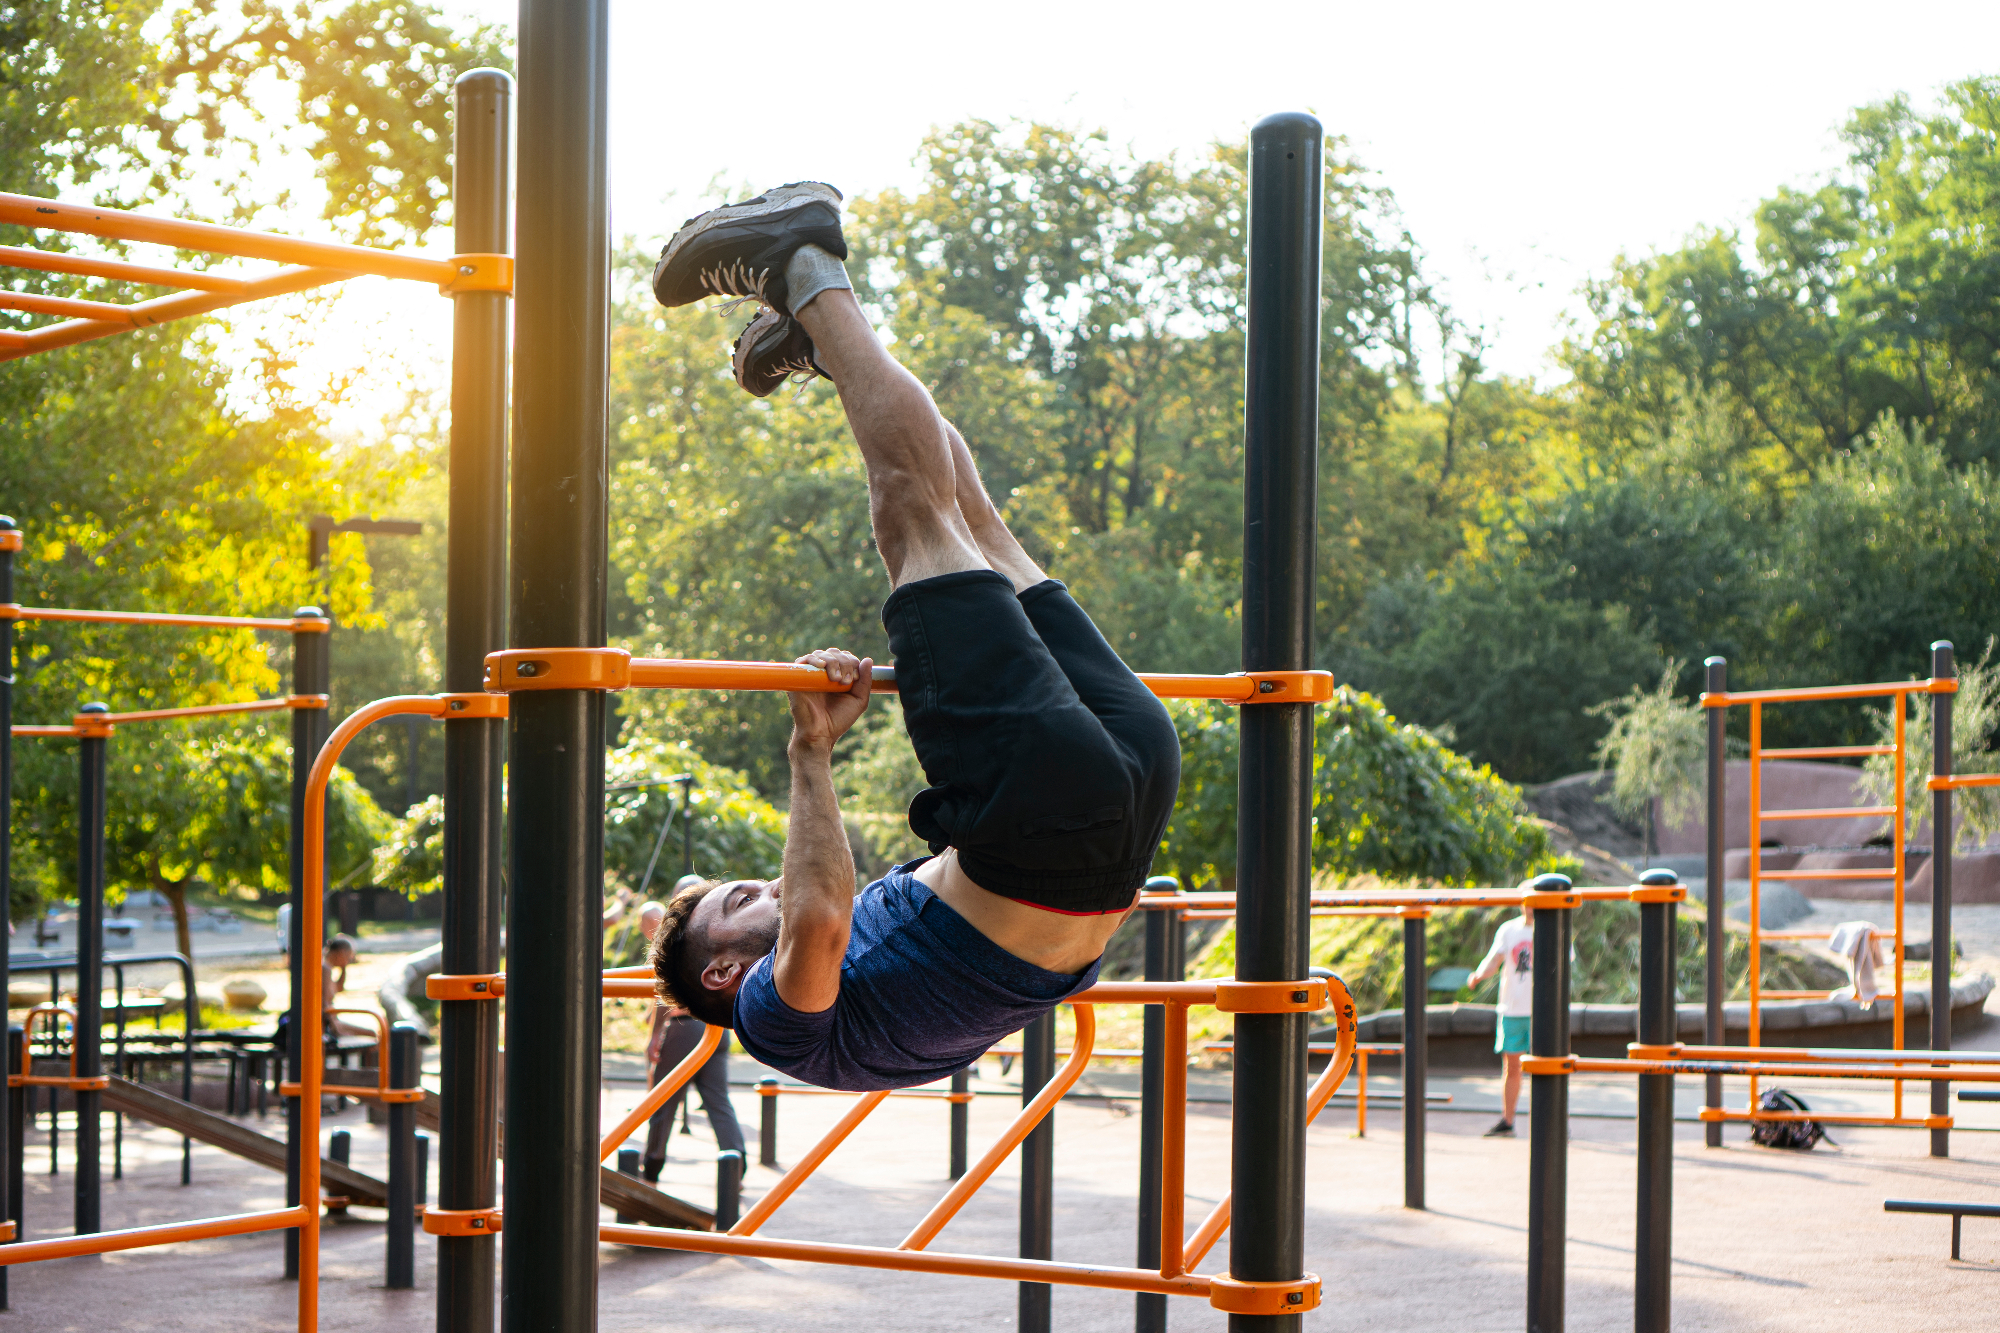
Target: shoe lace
column 736, row 279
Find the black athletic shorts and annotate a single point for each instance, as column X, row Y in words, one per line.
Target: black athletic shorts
column 1053, row 770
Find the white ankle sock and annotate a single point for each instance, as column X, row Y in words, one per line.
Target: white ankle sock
column 810, row 272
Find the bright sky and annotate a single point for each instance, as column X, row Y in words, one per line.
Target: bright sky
column 1529, row 144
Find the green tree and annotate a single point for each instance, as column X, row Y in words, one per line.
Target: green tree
column 1656, row 751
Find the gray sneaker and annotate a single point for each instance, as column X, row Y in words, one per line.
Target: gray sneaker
column 741, row 249
column 1503, row 1130
column 772, row 349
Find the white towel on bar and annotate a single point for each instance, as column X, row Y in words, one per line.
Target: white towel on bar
column 1858, row 947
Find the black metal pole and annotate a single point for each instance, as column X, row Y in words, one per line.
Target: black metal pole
column 310, row 671
column 17, row 1136
column 1652, row 1287
column 557, row 575
column 1715, row 933
column 1548, row 1115
column 10, row 542
column 1416, row 1054
column 961, row 1121
column 404, row 1072
column 89, row 966
column 1162, row 964
column 1038, row 1171
column 767, row 1122
column 728, row 1188
column 1274, row 793
column 1942, row 668
column 475, row 624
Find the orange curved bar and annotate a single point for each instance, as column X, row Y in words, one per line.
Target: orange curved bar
column 1815, row 693
column 908, row 1261
column 120, row 224
column 312, row 1053
column 168, row 1233
column 381, row 1043
column 49, row 261
column 1031, row 1115
column 1329, row 1081
column 164, row 310
column 792, row 1179
column 654, row 1099
column 303, row 624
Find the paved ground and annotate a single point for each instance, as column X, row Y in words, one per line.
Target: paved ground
column 1764, row 1240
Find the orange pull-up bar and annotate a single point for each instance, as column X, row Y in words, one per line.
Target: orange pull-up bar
column 289, row 624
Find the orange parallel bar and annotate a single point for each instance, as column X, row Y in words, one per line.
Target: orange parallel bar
column 166, row 1233
column 212, row 710
column 637, row 970
column 164, row 310
column 1329, row 1081
column 46, row 731
column 1841, row 1055
column 1834, row 1118
column 623, row 988
column 1832, row 812
column 306, row 624
column 690, row 674
column 119, row 224
column 711, row 1037
column 1785, row 1069
column 1812, row 693
column 1812, row 934
column 1031, row 1115
column 74, row 307
column 908, row 1261
column 1963, row 780
column 1888, row 874
column 1829, row 752
column 49, row 261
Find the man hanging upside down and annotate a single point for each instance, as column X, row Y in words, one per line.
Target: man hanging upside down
column 1052, row 769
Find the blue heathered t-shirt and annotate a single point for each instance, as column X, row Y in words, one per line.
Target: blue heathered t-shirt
column 922, row 995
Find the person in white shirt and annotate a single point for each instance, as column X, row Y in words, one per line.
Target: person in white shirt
column 1513, row 957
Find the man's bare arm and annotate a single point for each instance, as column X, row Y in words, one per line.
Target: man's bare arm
column 817, row 880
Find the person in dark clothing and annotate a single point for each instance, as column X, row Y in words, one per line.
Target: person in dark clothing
column 1052, row 768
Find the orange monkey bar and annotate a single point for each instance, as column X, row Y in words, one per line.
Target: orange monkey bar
column 314, row 264
column 616, row 669
column 290, row 624
column 27, row 1078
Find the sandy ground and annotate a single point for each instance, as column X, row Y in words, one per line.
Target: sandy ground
column 1763, row 1239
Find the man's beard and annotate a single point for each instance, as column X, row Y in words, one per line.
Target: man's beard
column 763, row 940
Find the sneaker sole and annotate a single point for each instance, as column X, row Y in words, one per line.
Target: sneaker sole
column 784, row 199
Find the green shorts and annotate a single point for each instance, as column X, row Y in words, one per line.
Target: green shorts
column 1512, row 1034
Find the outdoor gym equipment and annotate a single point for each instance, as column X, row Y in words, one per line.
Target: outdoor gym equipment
column 479, row 279
column 1941, row 686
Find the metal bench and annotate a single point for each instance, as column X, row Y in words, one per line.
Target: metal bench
column 1956, row 1211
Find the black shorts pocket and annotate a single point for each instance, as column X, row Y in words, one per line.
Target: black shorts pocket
column 1056, row 826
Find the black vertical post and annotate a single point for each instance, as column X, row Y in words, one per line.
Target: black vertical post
column 767, row 1122
column 1274, row 794
column 687, row 825
column 475, row 624
column 1716, row 933
column 311, row 652
column 17, row 1135
column 1038, row 1171
column 1162, row 964
column 557, row 576
column 401, row 1260
column 89, row 964
column 961, row 1121
column 1416, row 1054
column 628, row 1165
column 1652, row 1287
column 728, row 1188
column 10, row 542
column 1942, row 668
column 1548, row 1115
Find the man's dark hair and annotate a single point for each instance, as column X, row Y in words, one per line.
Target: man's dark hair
column 342, row 942
column 679, row 959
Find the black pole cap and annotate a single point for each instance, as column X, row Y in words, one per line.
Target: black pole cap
column 95, row 708
column 1551, row 884
column 1162, row 884
column 1659, row 879
column 1941, row 658
column 7, row 523
column 308, row 612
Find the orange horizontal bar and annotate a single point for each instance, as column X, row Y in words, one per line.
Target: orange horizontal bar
column 1786, row 1069
column 688, row 674
column 49, row 261
column 118, row 224
column 74, row 307
column 1825, row 752
column 1813, row 934
column 1832, row 812
column 1840, row 1055
column 164, row 310
column 1812, row 693
column 46, row 731
column 293, row 624
column 1963, row 780
column 1887, row 874
column 797, row 1090
column 1834, row 1118
column 136, row 1238
column 908, row 1261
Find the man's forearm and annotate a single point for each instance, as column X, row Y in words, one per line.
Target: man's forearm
column 818, row 865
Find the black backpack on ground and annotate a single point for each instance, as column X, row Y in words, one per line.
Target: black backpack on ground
column 1795, row 1134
